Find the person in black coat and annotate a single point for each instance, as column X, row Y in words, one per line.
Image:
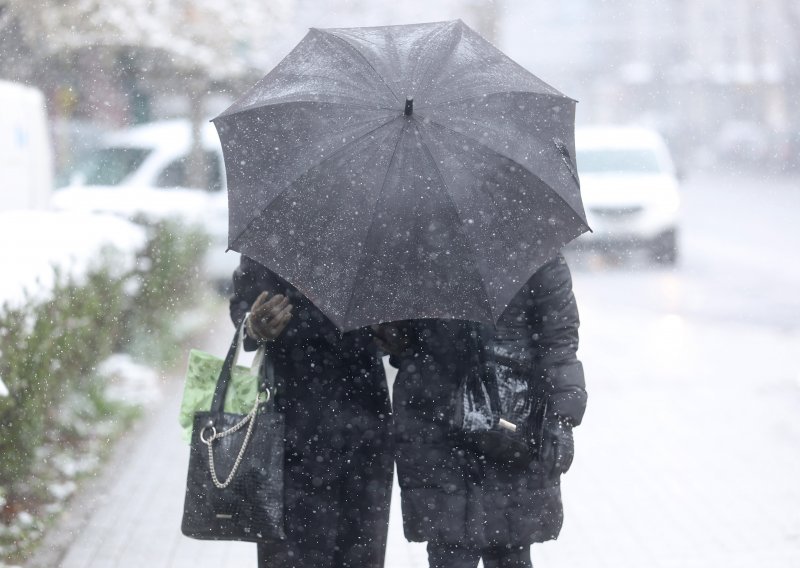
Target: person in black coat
column 338, row 454
column 463, row 502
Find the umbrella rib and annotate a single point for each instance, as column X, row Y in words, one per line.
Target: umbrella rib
column 289, row 184
column 484, row 95
column 260, row 105
column 372, row 223
column 362, row 56
column 458, row 215
column 527, row 169
column 433, row 78
column 429, row 40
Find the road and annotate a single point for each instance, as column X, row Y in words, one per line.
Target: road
column 688, row 452
column 688, row 455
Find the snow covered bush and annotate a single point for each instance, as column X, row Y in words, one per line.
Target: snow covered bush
column 48, row 350
column 51, row 345
column 168, row 273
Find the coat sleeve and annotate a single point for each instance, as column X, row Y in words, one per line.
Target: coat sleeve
column 248, row 283
column 556, row 332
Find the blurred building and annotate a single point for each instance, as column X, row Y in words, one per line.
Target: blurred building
column 109, row 64
column 716, row 75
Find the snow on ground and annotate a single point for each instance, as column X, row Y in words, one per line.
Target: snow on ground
column 129, row 382
column 34, row 242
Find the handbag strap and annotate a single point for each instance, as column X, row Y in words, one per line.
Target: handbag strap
column 250, row 420
column 485, row 371
column 267, row 387
column 224, row 379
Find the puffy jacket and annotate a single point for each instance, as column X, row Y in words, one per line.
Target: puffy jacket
column 449, row 493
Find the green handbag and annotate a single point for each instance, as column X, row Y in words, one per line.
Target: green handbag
column 202, row 373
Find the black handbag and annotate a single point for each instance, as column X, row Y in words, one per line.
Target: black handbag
column 234, row 487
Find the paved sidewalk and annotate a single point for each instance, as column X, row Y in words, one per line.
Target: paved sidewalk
column 134, row 509
column 137, row 524
column 688, row 457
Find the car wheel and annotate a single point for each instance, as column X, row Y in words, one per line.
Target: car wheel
column 664, row 249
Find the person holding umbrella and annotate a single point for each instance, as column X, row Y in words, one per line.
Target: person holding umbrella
column 490, row 500
column 392, row 173
column 331, row 388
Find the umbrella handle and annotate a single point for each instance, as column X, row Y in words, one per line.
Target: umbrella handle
column 562, row 148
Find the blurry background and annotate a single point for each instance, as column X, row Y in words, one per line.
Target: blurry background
column 688, row 455
column 716, row 77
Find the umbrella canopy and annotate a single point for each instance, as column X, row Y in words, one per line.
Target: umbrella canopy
column 401, row 172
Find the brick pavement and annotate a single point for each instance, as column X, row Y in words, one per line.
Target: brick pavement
column 687, row 458
column 137, row 523
column 132, row 512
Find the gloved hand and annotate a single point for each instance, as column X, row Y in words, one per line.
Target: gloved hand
column 389, row 338
column 268, row 317
column 559, row 445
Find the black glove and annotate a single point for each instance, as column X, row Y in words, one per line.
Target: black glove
column 559, row 445
column 268, row 317
column 390, row 338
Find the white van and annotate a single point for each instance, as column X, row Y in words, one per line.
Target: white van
column 26, row 174
column 630, row 191
column 141, row 171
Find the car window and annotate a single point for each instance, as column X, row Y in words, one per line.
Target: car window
column 618, row 160
column 174, row 175
column 109, row 166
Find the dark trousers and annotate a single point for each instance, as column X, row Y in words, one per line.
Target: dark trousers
column 341, row 523
column 453, row 556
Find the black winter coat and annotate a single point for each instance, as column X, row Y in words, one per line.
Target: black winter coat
column 332, row 389
column 449, row 494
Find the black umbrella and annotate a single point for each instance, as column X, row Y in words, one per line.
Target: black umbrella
column 401, row 172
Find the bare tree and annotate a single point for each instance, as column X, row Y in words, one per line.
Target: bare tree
column 194, row 42
column 219, row 39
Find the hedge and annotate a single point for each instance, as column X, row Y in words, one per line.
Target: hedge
column 50, row 349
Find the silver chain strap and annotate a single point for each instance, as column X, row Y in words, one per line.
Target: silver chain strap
column 250, row 420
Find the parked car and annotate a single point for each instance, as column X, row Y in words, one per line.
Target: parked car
column 25, row 151
column 141, row 172
column 630, row 191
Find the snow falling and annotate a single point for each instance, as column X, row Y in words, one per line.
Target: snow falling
column 380, row 180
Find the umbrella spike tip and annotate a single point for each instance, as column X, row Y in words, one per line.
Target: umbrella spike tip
column 409, row 106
